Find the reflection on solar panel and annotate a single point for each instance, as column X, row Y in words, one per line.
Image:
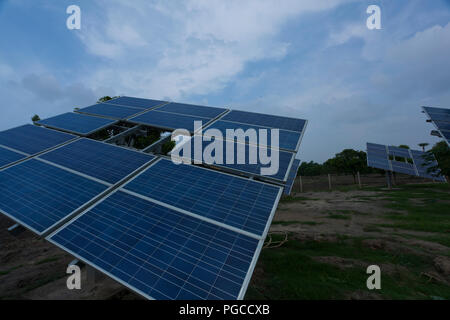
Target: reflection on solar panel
column 288, row 140
column 97, row 159
column 77, row 123
column 192, row 110
column 109, row 110
column 291, row 178
column 168, row 121
column 412, row 162
column 38, row 195
column 441, row 119
column 32, row 139
column 136, row 102
column 8, row 157
column 234, row 201
column 250, row 165
column 266, row 120
column 159, row 252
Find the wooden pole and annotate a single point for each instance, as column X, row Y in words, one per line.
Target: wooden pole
column 359, row 180
column 329, row 181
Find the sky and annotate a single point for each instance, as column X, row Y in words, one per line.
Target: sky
column 307, row 59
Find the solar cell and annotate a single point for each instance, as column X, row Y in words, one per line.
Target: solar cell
column 403, row 167
column 238, row 202
column 291, row 178
column 159, row 252
column 97, row 159
column 139, row 103
column 33, row 139
column 399, row 152
column 242, row 152
column 266, row 120
column 110, row 110
column 192, row 110
column 7, row 157
column 440, row 117
column 436, row 110
column 288, row 140
column 77, row 123
column 38, row 195
column 443, row 126
column 168, row 121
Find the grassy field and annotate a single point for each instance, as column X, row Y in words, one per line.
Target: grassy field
column 410, row 236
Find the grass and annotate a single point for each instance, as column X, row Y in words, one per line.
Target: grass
column 5, row 272
column 302, row 277
column 287, row 223
column 296, row 198
column 47, row 260
column 338, row 216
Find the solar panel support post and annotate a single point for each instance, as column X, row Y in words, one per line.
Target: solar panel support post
column 359, row 180
column 388, row 179
column 16, row 229
column 301, row 184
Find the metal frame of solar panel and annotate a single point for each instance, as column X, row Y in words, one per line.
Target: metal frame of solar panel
column 440, row 117
column 139, row 103
column 77, row 123
column 162, row 251
column 291, row 178
column 378, row 157
column 110, row 111
column 9, row 157
column 247, row 169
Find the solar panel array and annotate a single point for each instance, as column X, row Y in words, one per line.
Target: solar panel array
column 413, row 162
column 8, row 157
column 441, row 119
column 291, row 177
column 168, row 121
column 192, row 110
column 138, row 103
column 266, row 120
column 76, row 123
column 110, row 111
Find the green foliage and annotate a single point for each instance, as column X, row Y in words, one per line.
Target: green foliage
column 167, row 147
column 403, row 146
column 35, row 118
column 105, row 98
column 348, row 161
column 423, row 145
column 442, row 153
column 310, row 169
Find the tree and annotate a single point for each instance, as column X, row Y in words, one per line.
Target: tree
column 309, row 169
column 35, row 118
column 423, row 145
column 105, row 98
column 348, row 161
column 441, row 152
column 403, row 146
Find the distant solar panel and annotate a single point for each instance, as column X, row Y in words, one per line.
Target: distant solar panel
column 110, row 110
column 80, row 124
column 33, row 139
column 97, row 159
column 159, row 252
column 291, row 178
column 136, row 102
column 168, row 121
column 402, row 160
column 235, row 201
column 7, row 157
column 192, row 110
column 441, row 119
column 288, row 140
column 248, row 156
column 38, row 195
column 266, row 120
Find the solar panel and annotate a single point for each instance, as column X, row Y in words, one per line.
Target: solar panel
column 168, row 121
column 192, row 110
column 441, row 119
column 33, row 139
column 139, row 103
column 234, row 201
column 423, row 161
column 266, row 120
column 97, row 159
column 246, row 167
column 77, row 123
column 109, row 110
column 403, row 167
column 38, row 195
column 159, row 252
column 7, row 157
column 291, row 177
column 398, row 152
column 288, row 140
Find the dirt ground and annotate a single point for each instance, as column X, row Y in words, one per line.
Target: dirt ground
column 32, row 268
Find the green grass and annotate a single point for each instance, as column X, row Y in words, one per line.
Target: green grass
column 338, row 217
column 47, row 260
column 371, row 228
column 5, row 272
column 295, row 199
column 304, row 278
column 287, row 223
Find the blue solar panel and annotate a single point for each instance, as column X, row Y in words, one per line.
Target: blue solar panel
column 136, row 102
column 109, row 110
column 443, row 126
column 77, row 123
column 38, row 195
column 266, row 120
column 403, row 167
column 441, row 119
column 284, row 158
column 168, row 121
column 238, row 202
column 192, row 110
column 97, row 159
column 379, row 163
column 399, row 152
column 291, row 178
column 437, row 110
column 159, row 252
column 424, row 161
column 32, row 139
column 8, row 157
column 288, row 140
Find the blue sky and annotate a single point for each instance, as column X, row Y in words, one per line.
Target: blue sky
column 309, row 59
